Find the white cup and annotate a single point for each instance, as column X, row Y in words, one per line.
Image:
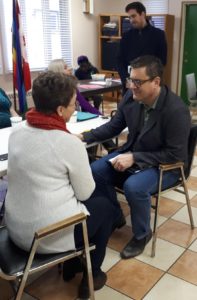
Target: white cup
column 73, row 118
column 108, row 81
column 15, row 121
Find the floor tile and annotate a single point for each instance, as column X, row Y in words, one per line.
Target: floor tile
column 5, row 290
column 160, row 219
column 172, row 288
column 121, row 198
column 192, row 183
column 186, row 267
column 125, row 208
column 28, row 297
column 178, row 196
column 50, row 286
column 128, row 220
column 194, row 172
column 183, row 216
column 193, row 246
column 166, row 254
column 169, row 207
column 133, row 278
column 195, row 161
column 177, row 233
column 120, row 238
column 111, row 258
column 194, row 201
column 107, row 293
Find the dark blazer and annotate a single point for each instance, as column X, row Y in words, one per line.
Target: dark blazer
column 163, row 139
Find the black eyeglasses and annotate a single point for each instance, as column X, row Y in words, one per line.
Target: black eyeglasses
column 138, row 82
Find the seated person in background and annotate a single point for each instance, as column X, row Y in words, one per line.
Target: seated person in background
column 85, row 70
column 6, row 110
column 59, row 65
column 158, row 122
column 55, row 179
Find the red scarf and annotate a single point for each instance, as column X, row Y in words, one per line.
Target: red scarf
column 44, row 121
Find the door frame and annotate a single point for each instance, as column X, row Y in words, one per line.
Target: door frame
column 181, row 43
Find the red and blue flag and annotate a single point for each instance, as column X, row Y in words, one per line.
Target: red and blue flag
column 21, row 71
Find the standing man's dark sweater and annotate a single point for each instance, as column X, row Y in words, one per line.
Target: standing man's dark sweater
column 141, row 39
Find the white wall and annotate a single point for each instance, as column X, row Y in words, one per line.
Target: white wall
column 85, row 32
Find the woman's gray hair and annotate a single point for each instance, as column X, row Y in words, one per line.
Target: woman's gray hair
column 57, row 65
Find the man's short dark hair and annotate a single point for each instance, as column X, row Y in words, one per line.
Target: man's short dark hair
column 51, row 90
column 138, row 6
column 154, row 66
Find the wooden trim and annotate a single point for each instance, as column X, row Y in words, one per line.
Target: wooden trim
column 60, row 225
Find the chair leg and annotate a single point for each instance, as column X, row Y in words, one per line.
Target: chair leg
column 154, row 238
column 26, row 271
column 88, row 262
column 187, row 199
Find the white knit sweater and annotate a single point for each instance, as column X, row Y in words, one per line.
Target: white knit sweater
column 48, row 170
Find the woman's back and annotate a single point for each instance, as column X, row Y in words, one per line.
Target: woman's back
column 45, row 178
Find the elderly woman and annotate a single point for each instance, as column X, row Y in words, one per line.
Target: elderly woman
column 6, row 110
column 59, row 65
column 55, row 179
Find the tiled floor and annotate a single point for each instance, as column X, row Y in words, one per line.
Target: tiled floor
column 170, row 275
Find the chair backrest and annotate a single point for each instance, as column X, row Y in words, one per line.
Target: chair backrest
column 191, row 148
column 191, row 87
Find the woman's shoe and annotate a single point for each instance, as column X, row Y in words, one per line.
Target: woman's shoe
column 98, row 282
column 71, row 267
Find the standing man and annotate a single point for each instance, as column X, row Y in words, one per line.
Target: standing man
column 141, row 39
column 159, row 124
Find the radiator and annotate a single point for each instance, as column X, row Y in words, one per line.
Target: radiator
column 29, row 99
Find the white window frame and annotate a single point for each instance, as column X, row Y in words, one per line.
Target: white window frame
column 62, row 31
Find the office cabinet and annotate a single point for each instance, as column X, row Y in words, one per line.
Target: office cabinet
column 111, row 28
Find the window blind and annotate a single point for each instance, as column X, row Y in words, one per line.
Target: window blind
column 47, row 31
column 156, row 6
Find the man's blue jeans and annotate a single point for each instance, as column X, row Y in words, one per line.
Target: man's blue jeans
column 138, row 189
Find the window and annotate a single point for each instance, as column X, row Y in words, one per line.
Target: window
column 156, row 6
column 47, row 30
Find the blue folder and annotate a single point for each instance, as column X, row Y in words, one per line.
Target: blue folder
column 83, row 116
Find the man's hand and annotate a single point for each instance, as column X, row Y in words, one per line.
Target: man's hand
column 123, row 161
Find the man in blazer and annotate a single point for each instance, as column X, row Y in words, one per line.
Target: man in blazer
column 159, row 124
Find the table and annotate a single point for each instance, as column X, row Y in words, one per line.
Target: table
column 89, row 88
column 74, row 128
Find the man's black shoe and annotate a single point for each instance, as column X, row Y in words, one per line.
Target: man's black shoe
column 135, row 247
column 120, row 222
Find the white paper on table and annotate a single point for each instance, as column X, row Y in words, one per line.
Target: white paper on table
column 98, row 82
column 79, row 127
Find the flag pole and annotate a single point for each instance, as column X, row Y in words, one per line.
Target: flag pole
column 14, row 90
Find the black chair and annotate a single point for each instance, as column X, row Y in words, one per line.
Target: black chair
column 16, row 264
column 181, row 183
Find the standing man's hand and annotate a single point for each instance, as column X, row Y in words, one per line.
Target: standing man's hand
column 122, row 161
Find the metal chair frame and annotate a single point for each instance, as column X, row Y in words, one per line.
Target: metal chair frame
column 184, row 175
column 164, row 168
column 22, row 276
